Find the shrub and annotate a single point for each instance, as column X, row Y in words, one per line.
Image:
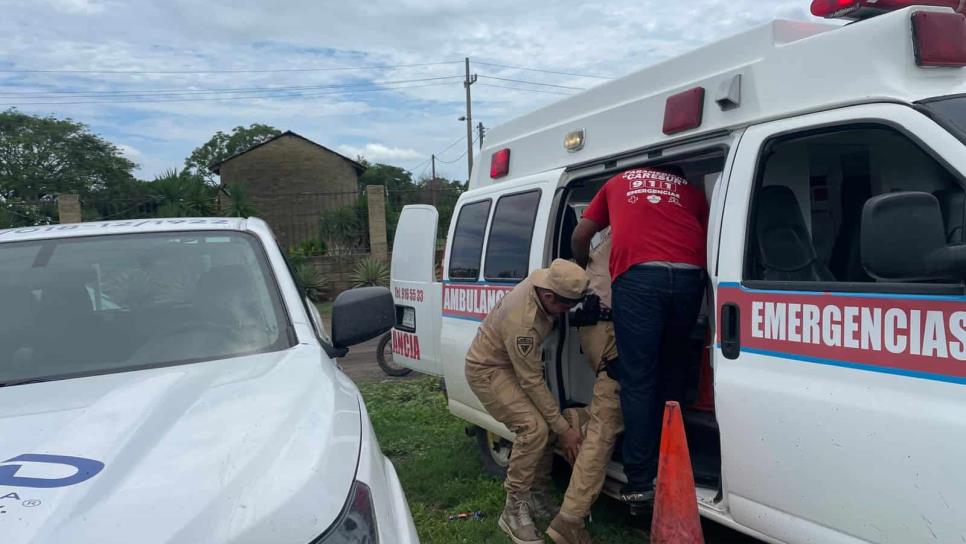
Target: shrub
column 308, row 248
column 370, row 272
column 311, row 280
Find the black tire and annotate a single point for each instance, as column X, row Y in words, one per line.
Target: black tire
column 385, row 362
column 494, row 452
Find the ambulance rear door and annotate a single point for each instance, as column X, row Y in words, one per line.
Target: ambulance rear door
column 415, row 337
column 840, row 395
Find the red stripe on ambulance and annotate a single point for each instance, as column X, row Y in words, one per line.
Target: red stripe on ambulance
column 908, row 334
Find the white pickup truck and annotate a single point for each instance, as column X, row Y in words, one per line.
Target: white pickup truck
column 165, row 381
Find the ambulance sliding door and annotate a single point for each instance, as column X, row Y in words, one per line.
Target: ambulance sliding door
column 415, row 337
column 841, row 400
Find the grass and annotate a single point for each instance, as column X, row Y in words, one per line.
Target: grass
column 441, row 471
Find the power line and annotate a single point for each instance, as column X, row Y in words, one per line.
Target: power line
column 526, row 90
column 218, row 98
column 232, row 71
column 534, row 83
column 177, row 92
column 457, row 159
column 538, row 70
column 450, row 146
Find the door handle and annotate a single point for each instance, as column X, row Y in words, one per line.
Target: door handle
column 730, row 330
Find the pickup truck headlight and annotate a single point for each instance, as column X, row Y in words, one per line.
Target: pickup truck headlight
column 357, row 522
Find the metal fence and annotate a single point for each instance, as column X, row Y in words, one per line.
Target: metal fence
column 318, row 223
column 307, row 224
column 20, row 213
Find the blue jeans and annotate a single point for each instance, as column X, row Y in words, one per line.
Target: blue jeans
column 655, row 311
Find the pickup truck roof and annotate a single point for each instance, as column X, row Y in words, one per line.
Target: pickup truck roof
column 126, row 226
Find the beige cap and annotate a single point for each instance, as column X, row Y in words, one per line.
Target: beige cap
column 563, row 277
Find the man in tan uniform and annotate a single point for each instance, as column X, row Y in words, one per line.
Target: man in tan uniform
column 606, row 422
column 504, row 369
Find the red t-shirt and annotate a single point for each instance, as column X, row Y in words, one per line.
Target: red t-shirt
column 653, row 217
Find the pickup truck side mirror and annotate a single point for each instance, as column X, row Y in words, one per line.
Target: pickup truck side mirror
column 903, row 239
column 361, row 314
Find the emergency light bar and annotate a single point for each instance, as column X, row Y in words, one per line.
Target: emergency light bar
column 863, row 9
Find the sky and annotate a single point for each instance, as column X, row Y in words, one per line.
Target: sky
column 376, row 78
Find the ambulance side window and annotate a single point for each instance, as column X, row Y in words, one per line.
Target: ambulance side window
column 508, row 248
column 467, row 249
column 806, row 213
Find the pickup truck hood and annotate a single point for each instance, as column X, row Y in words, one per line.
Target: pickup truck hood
column 252, row 449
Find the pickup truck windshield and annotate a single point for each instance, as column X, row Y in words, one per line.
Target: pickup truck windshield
column 79, row 306
column 950, row 112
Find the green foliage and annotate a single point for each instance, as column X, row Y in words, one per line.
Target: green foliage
column 441, row 472
column 391, row 177
column 238, row 203
column 221, row 146
column 370, row 272
column 182, row 194
column 346, row 229
column 307, row 248
column 311, row 279
column 43, row 156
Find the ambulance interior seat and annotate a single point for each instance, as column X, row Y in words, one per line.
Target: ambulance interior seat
column 785, row 251
column 952, row 203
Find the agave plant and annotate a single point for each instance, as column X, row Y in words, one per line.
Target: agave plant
column 370, row 272
column 312, row 280
column 239, row 204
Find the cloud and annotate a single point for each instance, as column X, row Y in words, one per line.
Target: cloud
column 380, row 153
column 356, row 111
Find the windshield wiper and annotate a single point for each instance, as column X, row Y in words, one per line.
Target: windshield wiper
column 23, row 382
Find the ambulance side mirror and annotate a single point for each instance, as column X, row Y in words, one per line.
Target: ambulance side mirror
column 903, row 239
column 361, row 314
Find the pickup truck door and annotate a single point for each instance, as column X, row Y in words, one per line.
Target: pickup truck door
column 415, row 337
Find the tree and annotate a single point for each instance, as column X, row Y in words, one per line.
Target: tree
column 182, row 194
column 41, row 157
column 221, row 146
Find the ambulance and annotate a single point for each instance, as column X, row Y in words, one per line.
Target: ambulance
column 829, row 361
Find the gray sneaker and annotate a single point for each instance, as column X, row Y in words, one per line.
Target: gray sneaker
column 516, row 521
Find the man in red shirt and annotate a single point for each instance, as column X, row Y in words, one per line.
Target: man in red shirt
column 658, row 227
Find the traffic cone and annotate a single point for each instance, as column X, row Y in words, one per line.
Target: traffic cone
column 676, row 519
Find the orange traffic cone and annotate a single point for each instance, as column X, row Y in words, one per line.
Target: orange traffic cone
column 675, row 519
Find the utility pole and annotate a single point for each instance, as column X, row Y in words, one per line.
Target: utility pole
column 434, row 167
column 481, row 131
column 469, row 120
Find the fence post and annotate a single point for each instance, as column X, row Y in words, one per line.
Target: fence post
column 378, row 245
column 68, row 208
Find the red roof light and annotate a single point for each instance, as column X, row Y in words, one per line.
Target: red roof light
column 939, row 38
column 683, row 111
column 500, row 163
column 861, row 9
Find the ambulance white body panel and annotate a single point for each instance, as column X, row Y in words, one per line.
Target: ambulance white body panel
column 839, row 408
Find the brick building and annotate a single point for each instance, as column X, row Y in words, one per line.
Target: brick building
column 291, row 180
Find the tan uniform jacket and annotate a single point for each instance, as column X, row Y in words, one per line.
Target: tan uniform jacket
column 510, row 337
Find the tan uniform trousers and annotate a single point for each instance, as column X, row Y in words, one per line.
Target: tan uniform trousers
column 601, row 430
column 532, row 455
